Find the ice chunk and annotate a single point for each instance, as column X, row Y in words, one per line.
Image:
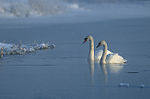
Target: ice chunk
column 52, row 46
column 124, row 85
column 142, row 86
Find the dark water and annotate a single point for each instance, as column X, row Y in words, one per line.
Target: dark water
column 64, row 73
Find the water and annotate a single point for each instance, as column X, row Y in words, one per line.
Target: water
column 64, row 72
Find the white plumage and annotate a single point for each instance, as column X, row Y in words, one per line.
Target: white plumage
column 103, row 56
column 107, row 57
column 115, row 59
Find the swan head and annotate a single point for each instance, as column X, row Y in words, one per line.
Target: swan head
column 89, row 37
column 101, row 43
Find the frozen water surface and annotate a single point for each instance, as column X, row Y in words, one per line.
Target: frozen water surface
column 63, row 72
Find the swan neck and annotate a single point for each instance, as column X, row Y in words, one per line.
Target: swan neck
column 104, row 54
column 91, row 53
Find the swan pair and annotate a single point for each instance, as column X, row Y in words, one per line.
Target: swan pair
column 103, row 56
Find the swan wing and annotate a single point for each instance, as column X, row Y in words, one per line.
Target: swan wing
column 115, row 59
column 98, row 55
column 109, row 52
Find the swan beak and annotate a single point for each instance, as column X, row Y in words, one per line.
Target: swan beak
column 85, row 39
column 97, row 46
column 84, row 42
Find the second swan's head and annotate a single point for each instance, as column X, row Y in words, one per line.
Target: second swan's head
column 101, row 43
column 89, row 37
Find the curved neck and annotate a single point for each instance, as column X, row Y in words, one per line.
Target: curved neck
column 91, row 51
column 103, row 61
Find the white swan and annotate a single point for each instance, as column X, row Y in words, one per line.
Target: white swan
column 112, row 58
column 98, row 54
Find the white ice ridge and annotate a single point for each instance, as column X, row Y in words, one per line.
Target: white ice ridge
column 124, row 85
column 21, row 49
column 128, row 85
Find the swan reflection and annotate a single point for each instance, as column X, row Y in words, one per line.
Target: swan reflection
column 104, row 70
column 91, row 68
column 110, row 68
column 115, row 68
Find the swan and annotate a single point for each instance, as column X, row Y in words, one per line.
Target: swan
column 98, row 54
column 112, row 58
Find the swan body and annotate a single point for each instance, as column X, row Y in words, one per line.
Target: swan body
column 115, row 59
column 111, row 58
